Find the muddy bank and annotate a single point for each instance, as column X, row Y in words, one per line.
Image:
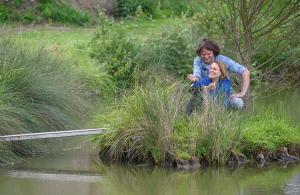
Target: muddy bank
column 283, row 155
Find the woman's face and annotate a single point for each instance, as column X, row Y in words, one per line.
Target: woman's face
column 207, row 56
column 214, row 71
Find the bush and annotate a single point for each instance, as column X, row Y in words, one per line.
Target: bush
column 127, row 58
column 61, row 12
column 151, row 8
column 171, row 51
column 42, row 10
column 115, row 52
column 4, row 13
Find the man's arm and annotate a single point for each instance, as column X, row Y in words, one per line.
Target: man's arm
column 235, row 67
column 196, row 76
column 245, row 84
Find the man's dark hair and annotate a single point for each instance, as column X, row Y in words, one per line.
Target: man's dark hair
column 209, row 45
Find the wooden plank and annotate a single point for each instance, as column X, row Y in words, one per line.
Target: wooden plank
column 55, row 176
column 55, row 134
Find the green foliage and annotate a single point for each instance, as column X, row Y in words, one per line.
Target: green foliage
column 127, row 58
column 171, row 51
column 261, row 40
column 37, row 93
column 125, row 8
column 217, row 133
column 279, row 57
column 61, row 12
column 142, row 125
column 115, row 52
column 151, row 8
column 41, row 11
column 269, row 130
column 4, row 13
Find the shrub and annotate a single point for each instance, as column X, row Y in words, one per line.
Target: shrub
column 152, row 8
column 61, row 12
column 42, row 10
column 127, row 58
column 115, row 52
column 171, row 51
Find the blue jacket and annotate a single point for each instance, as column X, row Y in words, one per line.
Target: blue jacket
column 223, row 86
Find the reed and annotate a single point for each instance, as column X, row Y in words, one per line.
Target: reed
column 38, row 92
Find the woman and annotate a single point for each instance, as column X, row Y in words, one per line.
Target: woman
column 216, row 86
column 217, row 80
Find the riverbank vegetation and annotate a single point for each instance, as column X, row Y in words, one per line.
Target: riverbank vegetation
column 134, row 67
column 149, row 126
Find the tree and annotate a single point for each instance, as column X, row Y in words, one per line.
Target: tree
column 245, row 23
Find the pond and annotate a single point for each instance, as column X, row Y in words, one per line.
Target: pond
column 73, row 168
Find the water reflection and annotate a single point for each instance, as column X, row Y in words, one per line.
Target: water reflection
column 246, row 180
column 292, row 186
column 79, row 171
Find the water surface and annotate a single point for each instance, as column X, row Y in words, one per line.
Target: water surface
column 76, row 170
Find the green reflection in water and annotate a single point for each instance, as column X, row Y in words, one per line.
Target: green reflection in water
column 246, row 180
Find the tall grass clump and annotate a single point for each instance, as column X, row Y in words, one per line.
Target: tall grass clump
column 269, row 130
column 217, row 133
column 38, row 92
column 142, row 125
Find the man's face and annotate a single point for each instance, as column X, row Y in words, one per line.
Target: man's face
column 207, row 56
column 214, row 71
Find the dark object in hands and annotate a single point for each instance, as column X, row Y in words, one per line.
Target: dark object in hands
column 195, row 90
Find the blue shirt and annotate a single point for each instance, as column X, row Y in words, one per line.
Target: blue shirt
column 201, row 69
column 223, row 86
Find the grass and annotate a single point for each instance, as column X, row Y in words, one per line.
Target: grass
column 38, row 93
column 150, row 124
column 269, row 130
column 143, row 125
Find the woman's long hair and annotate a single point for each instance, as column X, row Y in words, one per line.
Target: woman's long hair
column 223, row 70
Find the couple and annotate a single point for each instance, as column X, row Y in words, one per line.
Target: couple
column 210, row 76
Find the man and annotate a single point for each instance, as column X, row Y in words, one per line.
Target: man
column 209, row 52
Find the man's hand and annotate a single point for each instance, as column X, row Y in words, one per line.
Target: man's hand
column 192, row 78
column 237, row 95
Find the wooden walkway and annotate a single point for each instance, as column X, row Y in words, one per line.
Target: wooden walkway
column 54, row 134
column 55, row 176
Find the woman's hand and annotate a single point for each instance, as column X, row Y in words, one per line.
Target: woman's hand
column 192, row 78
